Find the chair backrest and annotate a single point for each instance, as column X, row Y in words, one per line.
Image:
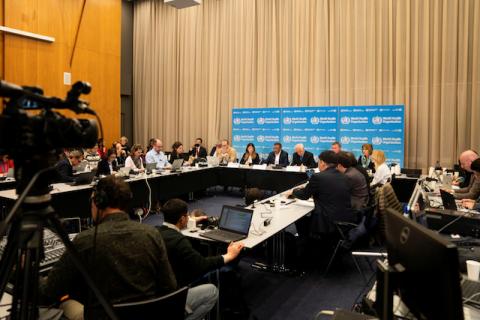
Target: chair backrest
column 168, row 307
column 385, row 198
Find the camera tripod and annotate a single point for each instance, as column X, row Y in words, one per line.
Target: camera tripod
column 21, row 258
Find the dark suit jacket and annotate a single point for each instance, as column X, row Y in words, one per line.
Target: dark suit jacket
column 65, row 171
column 359, row 188
column 202, row 152
column 254, row 161
column 330, row 192
column 213, row 151
column 104, row 169
column 188, row 264
column 283, row 158
column 307, row 160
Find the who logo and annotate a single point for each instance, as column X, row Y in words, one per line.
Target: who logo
column 377, row 140
column 236, row 138
column 377, row 120
column 314, row 120
column 260, row 139
column 237, row 121
column 287, row 120
column 314, row 139
column 261, row 121
column 287, row 139
column 345, row 120
column 345, row 140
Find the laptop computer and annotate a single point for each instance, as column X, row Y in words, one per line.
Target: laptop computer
column 149, row 167
column 73, row 226
column 448, row 200
column 177, row 164
column 124, row 172
column 212, row 161
column 83, row 178
column 234, row 225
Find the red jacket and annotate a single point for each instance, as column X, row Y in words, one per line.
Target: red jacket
column 4, row 166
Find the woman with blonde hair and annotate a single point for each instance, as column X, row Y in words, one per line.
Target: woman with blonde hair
column 382, row 172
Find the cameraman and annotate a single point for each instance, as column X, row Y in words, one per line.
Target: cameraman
column 127, row 260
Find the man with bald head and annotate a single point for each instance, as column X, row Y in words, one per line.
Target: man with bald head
column 303, row 157
column 156, row 155
column 472, row 191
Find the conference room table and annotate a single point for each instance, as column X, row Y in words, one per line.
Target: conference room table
column 73, row 201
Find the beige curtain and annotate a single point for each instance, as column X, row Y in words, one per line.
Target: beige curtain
column 191, row 66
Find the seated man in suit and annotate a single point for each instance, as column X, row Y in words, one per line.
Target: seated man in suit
column 127, row 260
column 303, row 157
column 336, row 147
column 215, row 148
column 331, row 193
column 359, row 189
column 198, row 151
column 189, row 265
column 65, row 166
column 278, row 156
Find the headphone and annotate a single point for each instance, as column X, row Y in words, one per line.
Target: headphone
column 101, row 199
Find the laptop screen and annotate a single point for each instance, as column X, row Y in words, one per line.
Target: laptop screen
column 236, row 219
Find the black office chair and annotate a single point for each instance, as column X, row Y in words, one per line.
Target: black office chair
column 168, row 307
column 345, row 244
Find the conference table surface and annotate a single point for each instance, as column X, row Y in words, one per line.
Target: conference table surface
column 282, row 215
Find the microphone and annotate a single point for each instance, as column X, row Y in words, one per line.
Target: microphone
column 74, row 103
column 8, row 89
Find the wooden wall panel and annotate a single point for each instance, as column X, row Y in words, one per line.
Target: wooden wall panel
column 96, row 58
column 2, row 51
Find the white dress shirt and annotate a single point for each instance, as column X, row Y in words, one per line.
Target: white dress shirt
column 277, row 158
column 130, row 164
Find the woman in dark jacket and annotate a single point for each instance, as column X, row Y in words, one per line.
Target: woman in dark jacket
column 250, row 156
column 177, row 151
column 108, row 165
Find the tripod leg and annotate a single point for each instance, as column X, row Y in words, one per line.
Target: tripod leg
column 58, row 229
column 8, row 259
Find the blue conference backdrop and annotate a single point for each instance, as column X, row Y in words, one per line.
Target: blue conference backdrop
column 318, row 127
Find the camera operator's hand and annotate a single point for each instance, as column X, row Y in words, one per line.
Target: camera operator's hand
column 233, row 251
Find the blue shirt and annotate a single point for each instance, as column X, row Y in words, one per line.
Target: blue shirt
column 156, row 157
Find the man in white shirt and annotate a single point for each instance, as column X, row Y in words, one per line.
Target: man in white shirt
column 157, row 156
column 278, row 156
